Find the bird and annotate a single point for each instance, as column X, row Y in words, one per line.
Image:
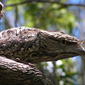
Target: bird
column 35, row 45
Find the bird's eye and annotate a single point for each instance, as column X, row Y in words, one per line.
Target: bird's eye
column 66, row 42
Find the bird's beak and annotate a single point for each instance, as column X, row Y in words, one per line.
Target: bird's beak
column 81, row 50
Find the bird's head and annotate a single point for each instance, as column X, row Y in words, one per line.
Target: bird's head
column 61, row 44
column 70, row 45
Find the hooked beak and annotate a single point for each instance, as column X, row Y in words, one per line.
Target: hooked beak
column 81, row 50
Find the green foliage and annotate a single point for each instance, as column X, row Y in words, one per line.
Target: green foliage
column 68, row 71
column 47, row 15
column 65, row 71
column 13, row 2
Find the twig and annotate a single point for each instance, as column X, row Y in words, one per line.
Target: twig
column 43, row 1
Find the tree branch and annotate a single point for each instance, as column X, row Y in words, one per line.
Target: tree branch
column 45, row 1
column 14, row 73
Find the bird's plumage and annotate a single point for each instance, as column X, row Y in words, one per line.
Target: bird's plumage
column 31, row 45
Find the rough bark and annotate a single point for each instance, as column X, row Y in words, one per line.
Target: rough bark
column 32, row 45
column 15, row 73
